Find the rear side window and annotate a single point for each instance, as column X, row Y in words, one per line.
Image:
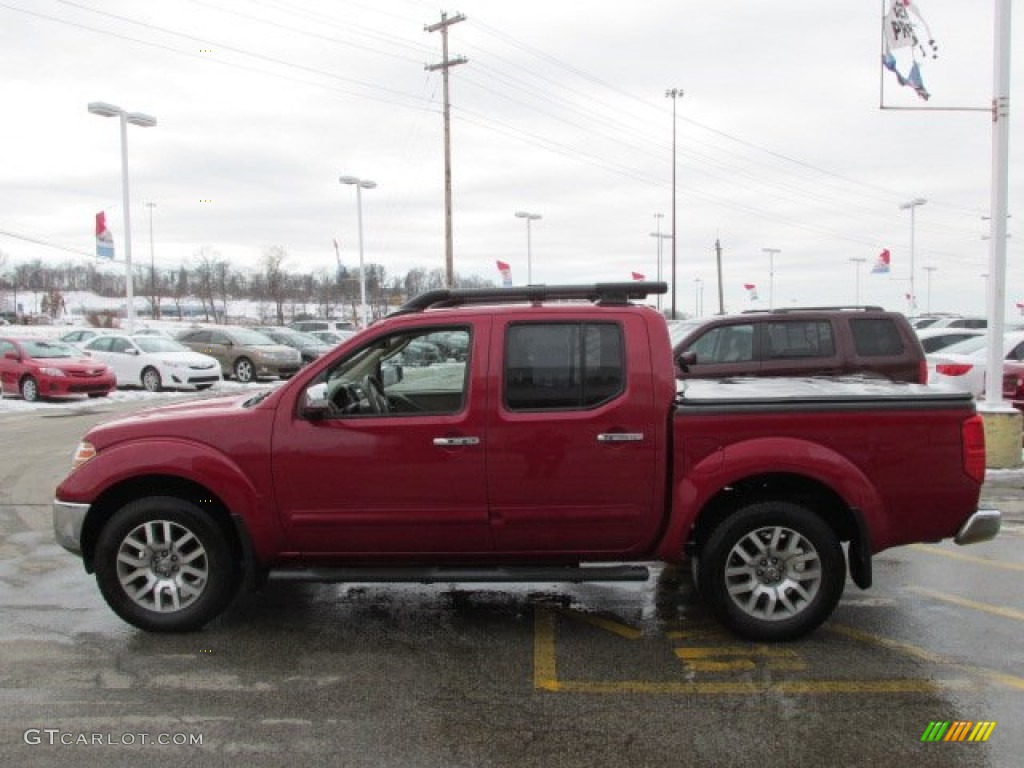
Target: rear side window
column 798, row 338
column 561, row 366
column 876, row 337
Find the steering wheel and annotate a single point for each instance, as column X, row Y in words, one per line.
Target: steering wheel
column 375, row 396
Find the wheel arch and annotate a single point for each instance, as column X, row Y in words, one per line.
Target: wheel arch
column 115, row 497
column 813, row 494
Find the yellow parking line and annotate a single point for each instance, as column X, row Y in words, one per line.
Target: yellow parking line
column 1010, row 681
column 545, row 675
column 998, row 610
column 933, row 550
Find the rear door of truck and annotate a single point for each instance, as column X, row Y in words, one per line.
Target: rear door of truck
column 574, row 440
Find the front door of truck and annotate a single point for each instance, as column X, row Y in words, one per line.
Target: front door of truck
column 573, row 441
column 384, row 453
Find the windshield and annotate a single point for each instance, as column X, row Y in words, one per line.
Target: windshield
column 153, row 344
column 48, row 349
column 248, row 338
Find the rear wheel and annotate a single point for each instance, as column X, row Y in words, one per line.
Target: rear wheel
column 164, row 565
column 29, row 389
column 772, row 571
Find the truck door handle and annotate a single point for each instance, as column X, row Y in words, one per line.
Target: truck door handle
column 620, row 437
column 453, row 442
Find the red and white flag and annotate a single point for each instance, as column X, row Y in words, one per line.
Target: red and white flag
column 104, row 240
column 882, row 263
column 506, row 273
column 751, row 291
column 638, row 276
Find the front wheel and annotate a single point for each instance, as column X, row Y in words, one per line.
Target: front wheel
column 151, row 380
column 244, row 370
column 164, row 565
column 29, row 389
column 772, row 570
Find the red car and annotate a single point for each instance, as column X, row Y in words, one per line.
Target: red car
column 36, row 368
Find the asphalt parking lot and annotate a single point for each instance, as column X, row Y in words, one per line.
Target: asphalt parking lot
column 467, row 675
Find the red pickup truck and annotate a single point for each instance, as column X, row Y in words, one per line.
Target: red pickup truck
column 542, row 438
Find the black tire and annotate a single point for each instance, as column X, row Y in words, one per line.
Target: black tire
column 29, row 389
column 771, row 571
column 244, row 370
column 178, row 549
column 151, row 381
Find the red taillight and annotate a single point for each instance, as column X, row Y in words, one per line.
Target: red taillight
column 953, row 369
column 972, row 434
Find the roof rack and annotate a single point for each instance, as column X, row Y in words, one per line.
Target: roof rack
column 601, row 293
column 842, row 307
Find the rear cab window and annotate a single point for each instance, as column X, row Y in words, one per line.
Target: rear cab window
column 563, row 365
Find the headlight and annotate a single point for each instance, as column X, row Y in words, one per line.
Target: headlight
column 52, row 371
column 83, row 453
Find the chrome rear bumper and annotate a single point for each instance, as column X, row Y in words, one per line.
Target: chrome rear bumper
column 981, row 526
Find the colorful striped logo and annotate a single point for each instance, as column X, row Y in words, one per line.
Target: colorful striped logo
column 958, row 730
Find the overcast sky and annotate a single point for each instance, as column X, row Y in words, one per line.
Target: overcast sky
column 560, row 110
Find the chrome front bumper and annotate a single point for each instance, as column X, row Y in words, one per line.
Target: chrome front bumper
column 68, row 519
column 981, row 526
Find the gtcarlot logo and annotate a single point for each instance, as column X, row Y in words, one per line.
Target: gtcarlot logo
column 57, row 737
column 958, row 730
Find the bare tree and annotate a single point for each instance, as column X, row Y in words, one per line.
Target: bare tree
column 275, row 277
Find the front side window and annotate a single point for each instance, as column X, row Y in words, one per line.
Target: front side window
column 560, row 366
column 402, row 374
column 724, row 344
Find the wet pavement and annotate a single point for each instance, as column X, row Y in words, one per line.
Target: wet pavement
column 472, row 675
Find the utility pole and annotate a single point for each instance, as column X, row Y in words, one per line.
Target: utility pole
column 674, row 94
column 718, row 259
column 444, row 66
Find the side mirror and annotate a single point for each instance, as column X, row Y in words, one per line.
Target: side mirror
column 391, row 375
column 11, row 356
column 315, row 404
column 684, row 360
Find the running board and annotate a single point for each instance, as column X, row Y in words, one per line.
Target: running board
column 433, row 575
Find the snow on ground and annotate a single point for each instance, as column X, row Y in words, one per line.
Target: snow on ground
column 13, row 404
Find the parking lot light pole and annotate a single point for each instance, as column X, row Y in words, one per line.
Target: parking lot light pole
column 857, row 261
column 360, row 185
column 911, row 206
column 145, row 121
column 772, row 253
column 530, row 217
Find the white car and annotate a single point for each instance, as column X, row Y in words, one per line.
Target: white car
column 962, row 366
column 154, row 362
column 936, row 339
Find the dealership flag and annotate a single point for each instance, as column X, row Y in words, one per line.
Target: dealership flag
column 751, row 291
column 907, row 43
column 104, row 240
column 506, row 273
column 638, row 276
column 882, row 263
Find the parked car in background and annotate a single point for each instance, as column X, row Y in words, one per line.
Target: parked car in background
column 82, row 335
column 815, row 341
column 243, row 353
column 154, row 362
column 322, row 325
column 332, row 338
column 960, row 322
column 310, row 347
column 962, row 366
column 1013, row 383
column 36, row 368
column 153, row 332
column 935, row 339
